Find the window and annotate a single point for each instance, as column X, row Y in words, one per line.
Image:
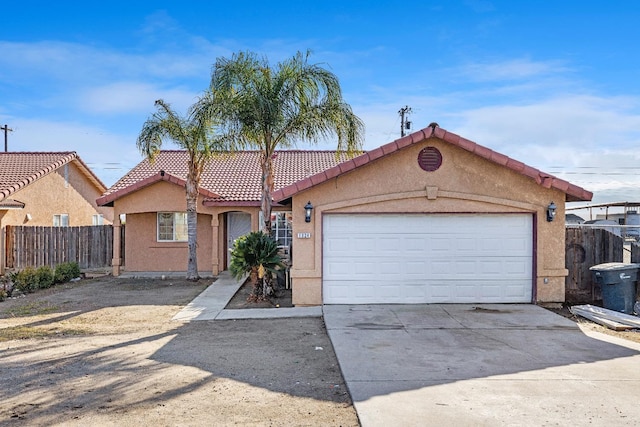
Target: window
column 61, row 220
column 98, row 219
column 281, row 228
column 172, row 226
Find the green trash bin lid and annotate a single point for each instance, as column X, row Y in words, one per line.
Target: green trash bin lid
column 615, row 272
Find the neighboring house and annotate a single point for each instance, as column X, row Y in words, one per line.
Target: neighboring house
column 573, row 219
column 48, row 189
column 429, row 218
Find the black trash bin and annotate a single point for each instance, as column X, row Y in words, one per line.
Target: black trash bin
column 618, row 283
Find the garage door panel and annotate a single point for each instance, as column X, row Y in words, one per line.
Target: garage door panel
column 427, row 258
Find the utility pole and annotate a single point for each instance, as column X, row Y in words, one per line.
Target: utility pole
column 404, row 123
column 6, row 130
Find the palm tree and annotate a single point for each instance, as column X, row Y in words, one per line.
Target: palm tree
column 193, row 135
column 270, row 108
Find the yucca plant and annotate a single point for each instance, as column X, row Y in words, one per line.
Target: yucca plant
column 256, row 253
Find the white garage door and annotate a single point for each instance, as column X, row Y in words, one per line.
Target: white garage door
column 405, row 259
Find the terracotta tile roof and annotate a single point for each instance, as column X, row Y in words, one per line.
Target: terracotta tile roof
column 573, row 192
column 19, row 169
column 228, row 179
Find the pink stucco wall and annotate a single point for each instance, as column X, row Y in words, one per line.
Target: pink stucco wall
column 144, row 253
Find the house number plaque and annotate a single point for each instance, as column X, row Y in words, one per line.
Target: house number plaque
column 304, row 235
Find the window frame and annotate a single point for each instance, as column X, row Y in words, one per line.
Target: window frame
column 176, row 223
column 97, row 219
column 61, row 219
column 282, row 227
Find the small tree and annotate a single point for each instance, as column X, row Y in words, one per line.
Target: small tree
column 257, row 254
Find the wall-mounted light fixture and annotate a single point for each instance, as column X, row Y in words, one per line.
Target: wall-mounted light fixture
column 551, row 211
column 307, row 212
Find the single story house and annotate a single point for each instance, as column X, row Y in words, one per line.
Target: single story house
column 428, row 218
column 48, row 189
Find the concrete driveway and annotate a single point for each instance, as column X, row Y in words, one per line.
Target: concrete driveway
column 491, row 365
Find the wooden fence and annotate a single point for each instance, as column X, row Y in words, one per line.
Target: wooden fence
column 89, row 246
column 586, row 247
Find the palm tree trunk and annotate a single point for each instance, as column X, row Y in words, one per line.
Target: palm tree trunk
column 192, row 229
column 267, row 191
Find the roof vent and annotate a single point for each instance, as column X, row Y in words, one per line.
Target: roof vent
column 430, row 159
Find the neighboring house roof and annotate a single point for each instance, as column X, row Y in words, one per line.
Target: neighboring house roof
column 573, row 218
column 19, row 169
column 227, row 179
column 573, row 192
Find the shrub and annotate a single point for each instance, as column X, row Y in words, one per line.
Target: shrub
column 66, row 271
column 6, row 287
column 257, row 254
column 25, row 280
column 44, row 277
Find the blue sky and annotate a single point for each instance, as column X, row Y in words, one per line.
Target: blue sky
column 554, row 84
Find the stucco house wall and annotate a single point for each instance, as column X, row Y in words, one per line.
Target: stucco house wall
column 142, row 250
column 54, row 194
column 471, row 180
column 465, row 183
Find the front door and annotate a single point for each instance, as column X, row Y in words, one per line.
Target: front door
column 238, row 224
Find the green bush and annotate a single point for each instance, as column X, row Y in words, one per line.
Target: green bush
column 66, row 271
column 25, row 280
column 257, row 254
column 44, row 277
column 30, row 279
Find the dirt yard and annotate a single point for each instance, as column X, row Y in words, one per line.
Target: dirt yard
column 631, row 335
column 106, row 352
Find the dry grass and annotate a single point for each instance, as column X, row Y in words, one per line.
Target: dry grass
column 34, row 308
column 30, row 332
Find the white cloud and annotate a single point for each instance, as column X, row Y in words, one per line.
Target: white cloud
column 509, row 70
column 579, row 122
column 76, row 63
column 132, row 97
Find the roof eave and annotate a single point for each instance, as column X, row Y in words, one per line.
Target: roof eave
column 572, row 192
column 109, row 199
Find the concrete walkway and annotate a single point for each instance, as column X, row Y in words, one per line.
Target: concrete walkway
column 211, row 303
